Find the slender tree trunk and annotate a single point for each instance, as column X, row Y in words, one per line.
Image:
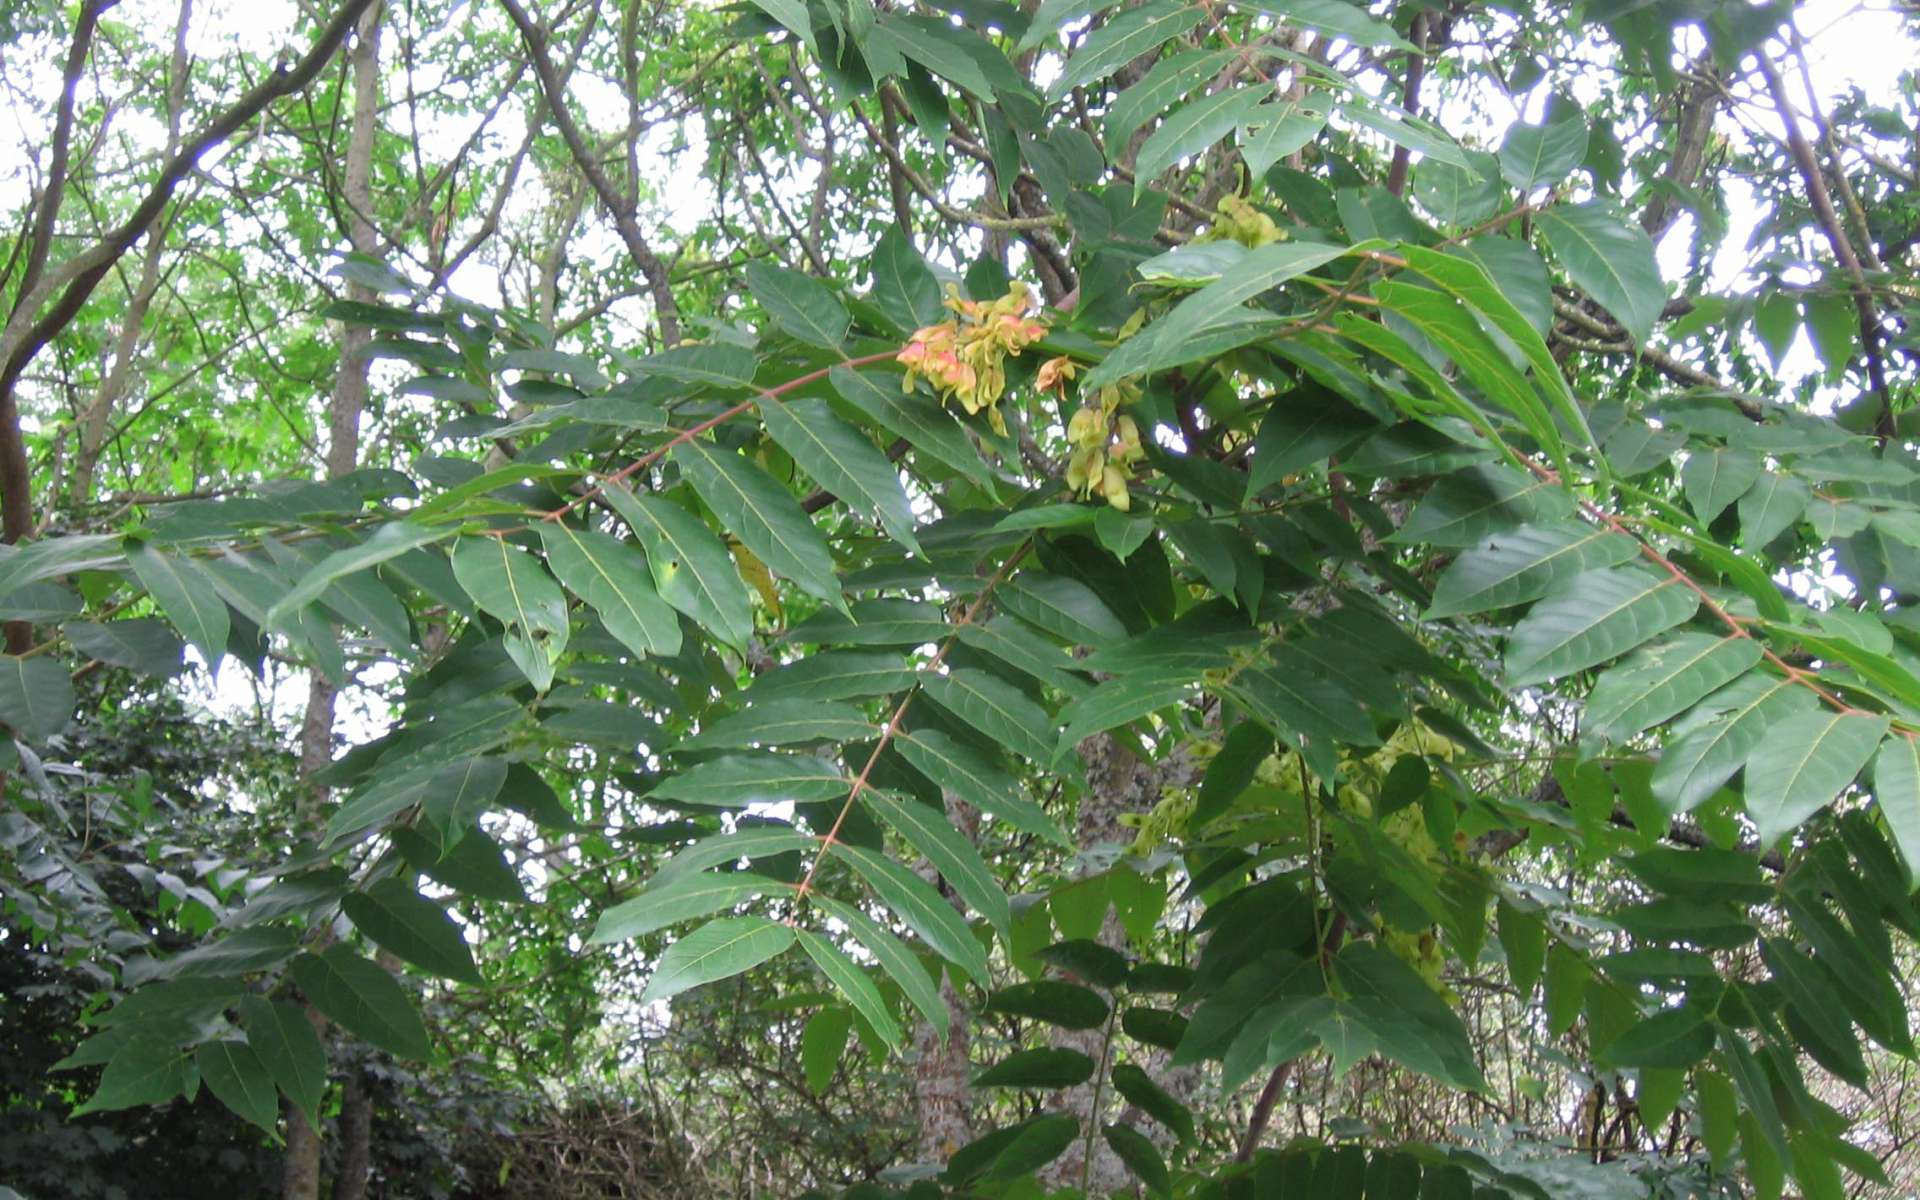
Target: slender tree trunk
column 300, row 1177
column 356, row 1139
column 942, row 1070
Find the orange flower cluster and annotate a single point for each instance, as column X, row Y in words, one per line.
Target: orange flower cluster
column 965, row 358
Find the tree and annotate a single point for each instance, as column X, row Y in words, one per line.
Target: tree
column 1168, row 563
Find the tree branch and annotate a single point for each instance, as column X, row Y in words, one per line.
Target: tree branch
column 650, row 264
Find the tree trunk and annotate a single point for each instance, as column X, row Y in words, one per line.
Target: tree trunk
column 300, row 1176
column 942, row 1070
column 356, row 1139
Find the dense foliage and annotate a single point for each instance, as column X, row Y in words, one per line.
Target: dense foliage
column 1078, row 599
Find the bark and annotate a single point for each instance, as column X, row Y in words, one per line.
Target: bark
column 356, row 1139
column 622, row 208
column 1117, row 783
column 941, row 1069
column 300, row 1177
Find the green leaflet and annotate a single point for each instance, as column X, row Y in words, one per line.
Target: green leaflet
column 1802, row 764
column 286, row 1045
column 997, row 709
column 914, row 416
column 679, row 899
column 234, row 1073
column 182, row 590
column 842, row 460
column 1050, row 1068
column 720, row 949
column 473, row 866
column 1453, row 331
column 1280, row 129
column 1349, row 22
column 903, row 284
column 799, row 304
column 1067, row 1005
column 1524, row 564
column 740, row 780
column 1773, row 505
column 1170, row 78
column 1537, row 156
column 36, row 696
column 928, row 831
column 1472, row 504
column 964, row 771
column 364, row 998
column 763, row 515
column 1064, row 607
column 924, row 910
column 1896, row 790
column 1302, row 429
column 691, row 568
column 413, row 927
column 1262, row 269
column 1611, row 259
column 1122, row 40
column 1194, row 127
column 1664, row 680
column 894, row 958
column 1673, row 1038
column 822, row 1044
column 1716, row 478
column 508, row 583
column 852, row 982
column 387, row 542
column 612, row 577
column 1595, row 617
column 1713, row 741
column 456, row 795
column 783, row 723
column 1117, row 702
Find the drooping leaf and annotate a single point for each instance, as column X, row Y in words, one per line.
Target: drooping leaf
column 1054, row 1001
column 924, row 910
column 1123, row 39
column 763, row 515
column 1050, row 1068
column 233, row 1072
column 997, row 709
column 950, row 853
column 612, row 577
column 184, row 593
column 1715, row 739
column 969, row 775
column 1663, row 680
column 691, row 568
column 412, row 927
column 287, row 1046
column 843, row 461
column 364, row 998
column 853, row 984
column 1524, row 564
column 681, row 899
column 915, row 417
column 146, row 646
column 510, row 584
column 1536, row 156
